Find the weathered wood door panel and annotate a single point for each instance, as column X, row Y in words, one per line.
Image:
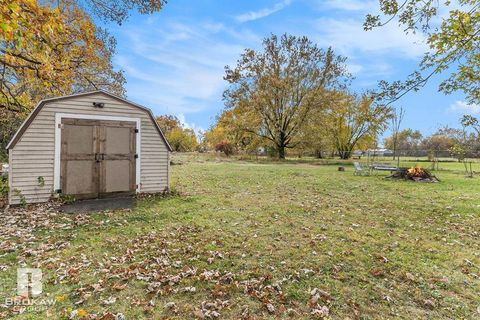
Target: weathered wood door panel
column 118, row 157
column 79, row 149
column 97, row 158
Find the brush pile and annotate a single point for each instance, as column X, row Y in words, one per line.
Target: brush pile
column 417, row 174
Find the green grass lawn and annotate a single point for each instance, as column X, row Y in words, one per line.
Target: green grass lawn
column 252, row 240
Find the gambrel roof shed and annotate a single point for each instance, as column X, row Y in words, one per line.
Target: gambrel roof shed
column 87, row 145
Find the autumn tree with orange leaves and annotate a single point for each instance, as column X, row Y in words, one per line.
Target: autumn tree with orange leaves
column 51, row 48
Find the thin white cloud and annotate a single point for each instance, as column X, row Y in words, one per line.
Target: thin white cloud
column 191, row 125
column 461, row 106
column 375, row 69
column 242, row 35
column 262, row 13
column 355, row 68
column 348, row 37
column 350, row 5
column 178, row 68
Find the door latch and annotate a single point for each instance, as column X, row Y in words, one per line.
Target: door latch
column 99, row 157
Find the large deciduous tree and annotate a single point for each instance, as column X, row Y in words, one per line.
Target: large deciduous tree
column 275, row 90
column 352, row 119
column 452, row 31
column 47, row 51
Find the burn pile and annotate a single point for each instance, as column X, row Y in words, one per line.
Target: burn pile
column 418, row 174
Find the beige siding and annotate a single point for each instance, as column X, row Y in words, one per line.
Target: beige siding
column 10, row 175
column 33, row 155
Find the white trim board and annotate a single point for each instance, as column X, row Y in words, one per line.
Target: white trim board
column 58, row 139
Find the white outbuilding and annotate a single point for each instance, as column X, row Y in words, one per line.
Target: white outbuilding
column 87, row 145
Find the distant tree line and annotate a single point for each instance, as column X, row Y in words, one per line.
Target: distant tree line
column 460, row 143
column 336, row 140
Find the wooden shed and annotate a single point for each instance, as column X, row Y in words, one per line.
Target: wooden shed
column 87, row 145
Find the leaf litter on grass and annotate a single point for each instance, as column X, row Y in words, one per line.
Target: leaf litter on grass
column 256, row 250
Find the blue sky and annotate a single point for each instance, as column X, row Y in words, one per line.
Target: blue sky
column 174, row 60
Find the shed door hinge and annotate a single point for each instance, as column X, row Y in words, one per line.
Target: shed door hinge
column 60, row 126
column 136, row 156
column 136, row 130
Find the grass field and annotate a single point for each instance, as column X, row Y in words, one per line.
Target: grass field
column 253, row 240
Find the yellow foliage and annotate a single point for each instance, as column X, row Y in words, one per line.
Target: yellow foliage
column 48, row 50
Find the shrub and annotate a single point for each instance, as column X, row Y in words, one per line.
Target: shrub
column 3, row 187
column 3, row 192
column 226, row 147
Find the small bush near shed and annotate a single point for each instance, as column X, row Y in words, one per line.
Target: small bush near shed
column 3, row 192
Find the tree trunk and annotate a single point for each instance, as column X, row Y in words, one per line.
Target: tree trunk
column 281, row 152
column 346, row 154
column 281, row 144
column 318, row 154
column 394, row 147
